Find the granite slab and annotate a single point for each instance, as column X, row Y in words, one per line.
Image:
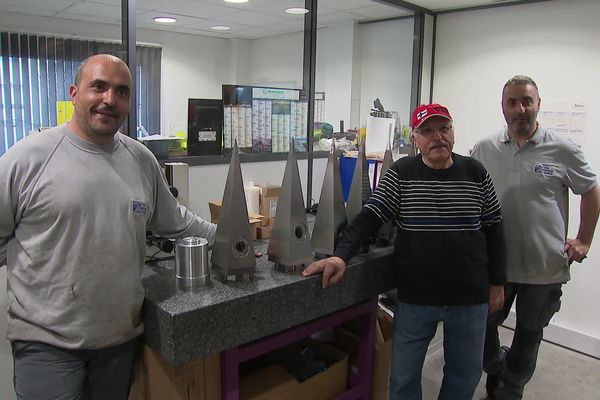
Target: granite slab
column 183, row 326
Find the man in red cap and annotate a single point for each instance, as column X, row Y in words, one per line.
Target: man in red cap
column 449, row 251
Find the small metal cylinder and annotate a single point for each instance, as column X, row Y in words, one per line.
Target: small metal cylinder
column 191, row 261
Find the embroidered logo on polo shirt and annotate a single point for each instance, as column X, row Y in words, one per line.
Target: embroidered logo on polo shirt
column 544, row 169
column 139, row 207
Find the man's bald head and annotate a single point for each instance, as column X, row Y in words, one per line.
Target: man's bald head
column 96, row 57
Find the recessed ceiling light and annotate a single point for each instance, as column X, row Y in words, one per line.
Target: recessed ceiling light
column 296, row 10
column 164, row 20
column 236, row 1
column 220, row 28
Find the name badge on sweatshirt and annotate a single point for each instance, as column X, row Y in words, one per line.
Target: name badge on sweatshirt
column 139, row 207
column 544, row 169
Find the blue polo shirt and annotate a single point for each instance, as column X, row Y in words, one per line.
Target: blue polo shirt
column 532, row 183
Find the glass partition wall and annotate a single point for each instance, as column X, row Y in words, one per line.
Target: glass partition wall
column 188, row 49
column 364, row 70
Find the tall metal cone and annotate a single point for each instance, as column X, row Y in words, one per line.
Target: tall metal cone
column 233, row 250
column 331, row 214
column 360, row 189
column 386, row 232
column 289, row 246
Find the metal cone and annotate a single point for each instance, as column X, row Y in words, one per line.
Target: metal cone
column 289, row 246
column 360, row 189
column 386, row 232
column 331, row 213
column 233, row 250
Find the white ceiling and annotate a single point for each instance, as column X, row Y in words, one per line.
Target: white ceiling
column 251, row 20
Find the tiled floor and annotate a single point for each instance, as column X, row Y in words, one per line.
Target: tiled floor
column 561, row 374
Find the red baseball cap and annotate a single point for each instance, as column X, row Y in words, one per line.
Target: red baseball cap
column 426, row 111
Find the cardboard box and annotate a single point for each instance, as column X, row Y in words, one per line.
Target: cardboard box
column 275, row 383
column 269, row 196
column 383, row 358
column 270, row 190
column 256, row 220
column 157, row 379
column 215, row 209
column 268, row 208
column 264, row 232
column 348, row 341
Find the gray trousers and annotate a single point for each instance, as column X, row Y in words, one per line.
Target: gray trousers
column 46, row 372
column 536, row 304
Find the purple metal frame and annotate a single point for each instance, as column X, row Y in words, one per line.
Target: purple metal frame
column 359, row 384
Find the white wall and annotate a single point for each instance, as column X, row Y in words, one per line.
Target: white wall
column 556, row 43
column 335, row 46
column 386, row 66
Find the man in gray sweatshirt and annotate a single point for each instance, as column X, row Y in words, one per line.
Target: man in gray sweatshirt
column 75, row 204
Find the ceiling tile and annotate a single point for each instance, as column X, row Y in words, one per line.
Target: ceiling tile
column 91, row 18
column 292, row 25
column 93, row 9
column 253, row 18
column 380, row 11
column 108, row 2
column 35, row 7
column 146, row 18
column 205, row 24
column 345, row 4
column 337, row 16
column 195, row 9
column 251, row 4
column 149, row 4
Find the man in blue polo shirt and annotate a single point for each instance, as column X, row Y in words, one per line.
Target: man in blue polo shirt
column 532, row 170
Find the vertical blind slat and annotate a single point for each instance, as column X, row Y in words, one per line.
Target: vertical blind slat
column 3, row 86
column 8, row 96
column 15, row 77
column 25, row 87
column 34, row 82
column 43, row 71
column 51, row 63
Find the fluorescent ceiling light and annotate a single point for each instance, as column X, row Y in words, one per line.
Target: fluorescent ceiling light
column 220, row 28
column 296, row 10
column 164, row 20
column 236, row 1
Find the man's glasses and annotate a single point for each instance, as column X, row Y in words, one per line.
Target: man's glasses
column 428, row 131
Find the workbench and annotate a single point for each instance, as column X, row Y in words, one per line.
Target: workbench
column 241, row 320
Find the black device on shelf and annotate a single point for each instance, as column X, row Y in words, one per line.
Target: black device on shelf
column 205, row 127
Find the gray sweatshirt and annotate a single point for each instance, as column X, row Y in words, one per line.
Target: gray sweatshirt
column 73, row 221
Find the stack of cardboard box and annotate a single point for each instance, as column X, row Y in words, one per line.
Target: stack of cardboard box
column 269, row 196
column 256, row 220
column 348, row 341
column 274, row 382
column 156, row 379
column 261, row 224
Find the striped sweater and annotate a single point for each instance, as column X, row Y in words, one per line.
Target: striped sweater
column 450, row 245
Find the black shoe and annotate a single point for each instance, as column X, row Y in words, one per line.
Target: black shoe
column 491, row 384
column 492, row 381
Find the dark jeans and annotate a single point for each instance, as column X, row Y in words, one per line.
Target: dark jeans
column 535, row 306
column 414, row 327
column 47, row 372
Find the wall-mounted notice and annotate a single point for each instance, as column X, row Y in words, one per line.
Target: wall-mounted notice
column 564, row 117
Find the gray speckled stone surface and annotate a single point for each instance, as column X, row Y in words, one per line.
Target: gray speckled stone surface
column 183, row 326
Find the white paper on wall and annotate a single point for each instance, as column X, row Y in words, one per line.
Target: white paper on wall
column 567, row 118
column 379, row 134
